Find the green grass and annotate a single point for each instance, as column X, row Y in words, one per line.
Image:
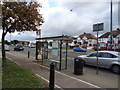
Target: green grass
column 15, row 76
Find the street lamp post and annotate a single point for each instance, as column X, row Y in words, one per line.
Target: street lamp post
column 111, row 27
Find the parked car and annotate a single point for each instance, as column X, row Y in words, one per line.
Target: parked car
column 18, row 47
column 106, row 59
column 78, row 49
column 7, row 48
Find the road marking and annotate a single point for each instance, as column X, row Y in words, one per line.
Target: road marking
column 8, row 53
column 13, row 61
column 79, row 80
column 42, row 66
column 71, row 77
column 67, row 75
column 48, row 81
column 18, row 53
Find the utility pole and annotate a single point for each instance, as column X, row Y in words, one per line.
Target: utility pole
column 97, row 49
column 111, row 26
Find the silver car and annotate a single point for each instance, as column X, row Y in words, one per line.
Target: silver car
column 106, row 59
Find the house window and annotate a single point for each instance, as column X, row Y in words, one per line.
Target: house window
column 90, row 40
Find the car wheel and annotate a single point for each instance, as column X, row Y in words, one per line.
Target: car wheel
column 116, row 68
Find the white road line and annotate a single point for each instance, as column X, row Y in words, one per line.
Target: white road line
column 8, row 53
column 13, row 61
column 72, row 77
column 48, row 81
column 42, row 66
column 79, row 80
column 18, row 52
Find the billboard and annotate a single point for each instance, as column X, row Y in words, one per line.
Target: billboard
column 55, row 48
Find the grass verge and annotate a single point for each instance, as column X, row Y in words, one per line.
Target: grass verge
column 14, row 76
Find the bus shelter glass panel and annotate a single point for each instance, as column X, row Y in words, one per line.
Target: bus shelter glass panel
column 41, row 50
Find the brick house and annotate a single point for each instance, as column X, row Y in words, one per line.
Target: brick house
column 24, row 43
column 115, row 37
column 86, row 40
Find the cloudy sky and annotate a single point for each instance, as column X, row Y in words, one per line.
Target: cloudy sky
column 71, row 18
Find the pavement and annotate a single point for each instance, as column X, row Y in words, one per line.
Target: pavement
column 64, row 78
column 0, row 71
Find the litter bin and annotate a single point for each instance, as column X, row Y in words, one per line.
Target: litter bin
column 78, row 66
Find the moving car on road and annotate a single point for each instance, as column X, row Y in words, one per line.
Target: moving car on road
column 106, row 59
column 18, row 47
column 78, row 49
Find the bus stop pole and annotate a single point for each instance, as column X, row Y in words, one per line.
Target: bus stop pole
column 60, row 54
column 66, row 55
column 42, row 54
column 36, row 50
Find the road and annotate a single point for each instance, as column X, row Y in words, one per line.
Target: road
column 105, row 78
column 71, row 56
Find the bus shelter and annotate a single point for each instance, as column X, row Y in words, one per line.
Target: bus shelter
column 42, row 43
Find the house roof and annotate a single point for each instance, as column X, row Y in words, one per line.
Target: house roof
column 88, row 36
column 115, row 33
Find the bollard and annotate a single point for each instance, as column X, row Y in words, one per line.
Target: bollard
column 52, row 76
column 28, row 54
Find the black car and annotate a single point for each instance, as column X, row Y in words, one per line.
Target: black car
column 18, row 47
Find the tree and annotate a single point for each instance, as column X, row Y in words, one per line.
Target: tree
column 6, row 42
column 23, row 43
column 19, row 16
column 14, row 42
column 75, row 42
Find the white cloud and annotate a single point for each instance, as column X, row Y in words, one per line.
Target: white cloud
column 81, row 19
column 72, row 18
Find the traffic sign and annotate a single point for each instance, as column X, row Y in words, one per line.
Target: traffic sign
column 98, row 27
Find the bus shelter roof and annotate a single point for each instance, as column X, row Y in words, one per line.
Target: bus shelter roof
column 58, row 38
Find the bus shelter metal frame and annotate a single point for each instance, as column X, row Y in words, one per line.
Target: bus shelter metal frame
column 61, row 39
column 39, row 48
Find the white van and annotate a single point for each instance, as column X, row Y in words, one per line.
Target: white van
column 7, row 48
column 32, row 45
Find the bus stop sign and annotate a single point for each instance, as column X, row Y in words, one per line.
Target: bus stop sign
column 98, row 27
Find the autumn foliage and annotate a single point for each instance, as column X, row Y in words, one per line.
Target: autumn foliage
column 20, row 16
